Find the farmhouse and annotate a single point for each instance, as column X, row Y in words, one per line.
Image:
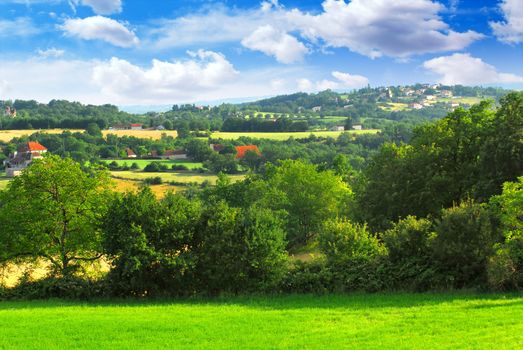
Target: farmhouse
column 130, row 153
column 357, row 127
column 337, row 128
column 241, row 151
column 175, row 154
column 316, row 109
column 21, row 159
column 216, row 147
column 136, row 126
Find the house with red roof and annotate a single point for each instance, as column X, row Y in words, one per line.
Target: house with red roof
column 136, row 126
column 130, row 153
column 241, row 151
column 21, row 159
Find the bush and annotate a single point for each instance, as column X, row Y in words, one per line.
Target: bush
column 179, row 167
column 135, row 166
column 344, row 242
column 240, row 250
column 408, row 240
column 157, row 180
column 52, row 287
column 153, row 167
column 308, row 277
column 464, row 239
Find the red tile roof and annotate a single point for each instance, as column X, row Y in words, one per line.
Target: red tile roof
column 35, row 146
column 242, row 150
column 136, row 125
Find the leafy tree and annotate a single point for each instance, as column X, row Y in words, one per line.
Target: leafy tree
column 150, row 243
column 309, row 197
column 240, row 249
column 94, row 130
column 463, row 241
column 53, row 211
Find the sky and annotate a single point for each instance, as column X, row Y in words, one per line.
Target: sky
column 161, row 52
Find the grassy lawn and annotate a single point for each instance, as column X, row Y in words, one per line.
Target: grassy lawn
column 284, row 135
column 143, row 162
column 3, row 182
column 394, row 106
column 185, row 177
column 376, row 321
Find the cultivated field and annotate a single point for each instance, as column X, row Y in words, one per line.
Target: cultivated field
column 181, row 177
column 8, row 135
column 143, row 162
column 143, row 134
column 375, row 321
column 285, row 135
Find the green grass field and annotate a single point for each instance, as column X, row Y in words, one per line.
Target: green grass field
column 397, row 321
column 184, row 177
column 284, row 135
column 143, row 162
column 3, row 182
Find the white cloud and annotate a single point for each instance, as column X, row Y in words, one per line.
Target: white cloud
column 51, row 53
column 103, row 7
column 122, row 80
column 343, row 81
column 100, row 28
column 374, row 28
column 21, row 26
column 467, row 70
column 350, row 80
column 511, row 30
column 284, row 47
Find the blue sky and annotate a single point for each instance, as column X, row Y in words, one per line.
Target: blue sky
column 162, row 52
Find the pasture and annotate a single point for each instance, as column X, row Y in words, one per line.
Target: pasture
column 281, row 136
column 143, row 162
column 180, row 177
column 372, row 321
column 3, row 182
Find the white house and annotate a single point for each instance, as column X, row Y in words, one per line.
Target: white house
column 337, row 128
column 136, row 126
column 357, row 127
column 316, row 109
column 21, row 159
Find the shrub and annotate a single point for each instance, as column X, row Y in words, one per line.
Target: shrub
column 179, row 167
column 157, row 180
column 464, row 240
column 64, row 288
column 344, row 242
column 135, row 166
column 308, row 277
column 240, row 250
column 153, row 167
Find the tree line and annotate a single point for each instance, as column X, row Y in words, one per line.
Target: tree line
column 442, row 212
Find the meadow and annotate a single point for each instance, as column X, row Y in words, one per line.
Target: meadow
column 372, row 321
column 142, row 163
column 8, row 135
column 281, row 136
column 143, row 134
column 181, row 177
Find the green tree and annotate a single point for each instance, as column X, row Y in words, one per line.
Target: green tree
column 309, row 196
column 94, row 130
column 53, row 211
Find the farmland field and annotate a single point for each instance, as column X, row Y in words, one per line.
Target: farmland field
column 8, row 135
column 285, row 135
column 149, row 134
column 3, row 182
column 182, row 177
column 376, row 321
column 143, row 162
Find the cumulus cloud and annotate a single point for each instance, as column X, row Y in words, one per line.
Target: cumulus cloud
column 100, row 28
column 21, row 26
column 103, row 7
column 467, row 70
column 511, row 29
column 342, row 81
column 51, row 53
column 374, row 28
column 206, row 70
column 284, row 47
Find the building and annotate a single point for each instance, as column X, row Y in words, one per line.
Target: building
column 415, row 106
column 174, row 154
column 216, row 147
column 316, row 109
column 337, row 128
column 10, row 112
column 136, row 126
column 241, row 151
column 357, row 127
column 130, row 153
column 21, row 159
